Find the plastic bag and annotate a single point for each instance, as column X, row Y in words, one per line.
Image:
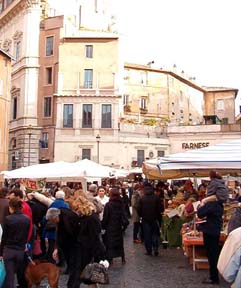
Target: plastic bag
column 2, row 272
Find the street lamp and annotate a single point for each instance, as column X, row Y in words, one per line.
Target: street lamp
column 98, row 147
column 29, row 132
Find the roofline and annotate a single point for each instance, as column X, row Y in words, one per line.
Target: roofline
column 90, row 37
column 5, row 53
column 146, row 68
column 180, row 78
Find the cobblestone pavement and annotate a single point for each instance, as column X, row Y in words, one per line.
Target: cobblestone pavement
column 168, row 270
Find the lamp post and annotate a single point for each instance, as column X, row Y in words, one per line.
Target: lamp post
column 98, row 147
column 29, row 131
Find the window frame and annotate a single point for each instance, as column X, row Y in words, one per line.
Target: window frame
column 44, row 141
column 89, row 51
column 46, row 47
column 49, row 110
column 84, row 154
column 88, row 78
column 141, row 159
column 15, row 108
column 106, row 120
column 67, row 125
column 87, row 119
column 47, row 74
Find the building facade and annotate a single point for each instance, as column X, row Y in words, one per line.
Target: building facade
column 72, row 97
column 5, row 86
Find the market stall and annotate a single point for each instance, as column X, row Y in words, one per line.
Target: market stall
column 224, row 158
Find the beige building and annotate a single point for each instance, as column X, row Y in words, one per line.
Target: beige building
column 69, row 100
column 5, row 82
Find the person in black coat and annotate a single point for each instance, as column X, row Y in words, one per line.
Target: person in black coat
column 67, row 223
column 212, row 212
column 114, row 223
column 149, row 210
column 78, row 236
column 14, row 240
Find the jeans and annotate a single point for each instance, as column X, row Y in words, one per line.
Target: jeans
column 151, row 232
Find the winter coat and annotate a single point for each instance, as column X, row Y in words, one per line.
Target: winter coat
column 229, row 262
column 4, row 212
column 89, row 240
column 217, row 187
column 113, row 224
column 212, row 212
column 134, row 203
column 149, row 208
column 235, row 220
column 51, row 233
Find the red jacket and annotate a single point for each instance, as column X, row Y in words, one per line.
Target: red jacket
column 27, row 211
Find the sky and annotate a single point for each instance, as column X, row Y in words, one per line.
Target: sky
column 201, row 37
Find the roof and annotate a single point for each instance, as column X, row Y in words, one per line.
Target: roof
column 5, row 53
column 93, row 34
column 203, row 89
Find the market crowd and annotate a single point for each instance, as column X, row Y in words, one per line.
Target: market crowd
column 71, row 228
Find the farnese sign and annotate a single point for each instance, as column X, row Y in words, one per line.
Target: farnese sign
column 193, row 145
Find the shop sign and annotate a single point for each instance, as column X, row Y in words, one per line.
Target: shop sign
column 193, row 145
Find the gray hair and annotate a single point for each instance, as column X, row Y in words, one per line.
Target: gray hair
column 93, row 188
column 52, row 213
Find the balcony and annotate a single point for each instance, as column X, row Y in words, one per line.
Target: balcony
column 143, row 110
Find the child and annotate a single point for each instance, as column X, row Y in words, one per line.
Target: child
column 216, row 190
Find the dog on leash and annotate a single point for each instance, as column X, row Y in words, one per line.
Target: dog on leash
column 36, row 271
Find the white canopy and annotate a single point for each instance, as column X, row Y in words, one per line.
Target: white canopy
column 61, row 170
column 55, row 170
column 223, row 157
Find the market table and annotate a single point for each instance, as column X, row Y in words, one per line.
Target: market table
column 197, row 241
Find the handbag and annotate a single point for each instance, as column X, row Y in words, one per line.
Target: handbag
column 2, row 272
column 94, row 273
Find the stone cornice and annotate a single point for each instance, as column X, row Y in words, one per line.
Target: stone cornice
column 15, row 8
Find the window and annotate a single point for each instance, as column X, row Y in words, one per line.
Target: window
column 49, row 75
column 50, row 46
column 106, row 116
column 160, row 153
column 47, row 106
column 224, row 121
column 44, row 140
column 17, row 50
column 126, row 99
column 220, row 104
column 89, row 51
column 68, row 116
column 87, row 116
column 86, row 153
column 143, row 103
column 88, row 78
column 15, row 108
column 140, row 157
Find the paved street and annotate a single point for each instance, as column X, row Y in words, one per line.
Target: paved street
column 169, row 270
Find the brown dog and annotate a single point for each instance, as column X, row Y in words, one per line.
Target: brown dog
column 36, row 271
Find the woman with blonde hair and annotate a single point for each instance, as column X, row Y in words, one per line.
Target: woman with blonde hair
column 83, row 236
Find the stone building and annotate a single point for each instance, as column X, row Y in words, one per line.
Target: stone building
column 5, row 84
column 72, row 98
